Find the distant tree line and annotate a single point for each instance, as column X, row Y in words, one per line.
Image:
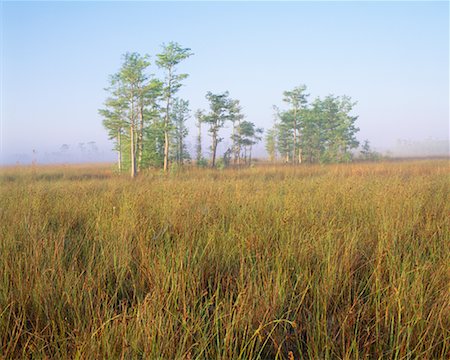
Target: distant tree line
column 147, row 121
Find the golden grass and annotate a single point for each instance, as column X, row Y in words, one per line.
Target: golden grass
column 314, row 262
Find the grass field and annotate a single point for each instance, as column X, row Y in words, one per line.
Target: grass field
column 313, row 262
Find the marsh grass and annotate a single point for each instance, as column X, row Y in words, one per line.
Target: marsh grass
column 314, row 262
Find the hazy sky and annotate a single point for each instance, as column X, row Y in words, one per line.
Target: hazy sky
column 392, row 57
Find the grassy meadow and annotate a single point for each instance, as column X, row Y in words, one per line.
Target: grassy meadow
column 270, row 262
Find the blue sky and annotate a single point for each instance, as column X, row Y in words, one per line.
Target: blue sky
column 391, row 57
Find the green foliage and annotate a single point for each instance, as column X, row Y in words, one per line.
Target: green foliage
column 297, row 98
column 133, row 95
column 221, row 164
column 236, row 116
column 219, row 113
column 284, row 136
column 202, row 163
column 180, row 114
column 271, row 143
column 247, row 136
column 138, row 112
column 172, row 54
column 323, row 131
column 154, row 144
column 219, row 105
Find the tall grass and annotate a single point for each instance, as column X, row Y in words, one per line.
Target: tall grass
column 314, row 262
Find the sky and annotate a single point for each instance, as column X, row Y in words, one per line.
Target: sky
column 56, row 57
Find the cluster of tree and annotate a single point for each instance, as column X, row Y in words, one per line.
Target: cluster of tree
column 142, row 113
column 148, row 122
column 321, row 131
column 245, row 134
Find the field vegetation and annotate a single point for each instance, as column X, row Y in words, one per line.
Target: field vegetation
column 340, row 261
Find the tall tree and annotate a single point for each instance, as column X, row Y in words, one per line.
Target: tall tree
column 249, row 135
column 149, row 96
column 180, row 113
column 271, row 143
column 198, row 149
column 235, row 116
column 337, row 127
column 313, row 132
column 297, row 99
column 172, row 54
column 130, row 81
column 219, row 105
column 284, row 135
column 131, row 107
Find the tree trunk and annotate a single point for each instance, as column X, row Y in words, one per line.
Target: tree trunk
column 239, row 146
column 199, row 142
column 140, row 142
column 214, row 147
column 166, row 124
column 132, row 142
column 133, row 152
column 250, row 157
column 119, row 150
column 180, row 154
column 294, row 146
column 166, row 150
column 300, row 150
column 234, row 146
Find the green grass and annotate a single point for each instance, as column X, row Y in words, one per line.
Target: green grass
column 313, row 262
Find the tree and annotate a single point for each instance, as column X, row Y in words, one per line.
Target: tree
column 249, row 135
column 235, row 117
column 219, row 105
column 198, row 149
column 338, row 128
column 326, row 126
column 154, row 143
column 271, row 143
column 314, row 132
column 130, row 109
column 171, row 55
column 297, row 99
column 125, row 108
column 180, row 113
column 284, row 136
column 132, row 82
column 149, row 110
